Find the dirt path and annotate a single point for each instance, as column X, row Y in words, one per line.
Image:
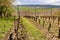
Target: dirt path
column 49, row 35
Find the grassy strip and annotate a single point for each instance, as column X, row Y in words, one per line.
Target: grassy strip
column 32, row 9
column 5, row 25
column 35, row 34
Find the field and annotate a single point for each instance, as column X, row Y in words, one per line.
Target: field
column 39, row 11
column 29, row 20
column 35, row 30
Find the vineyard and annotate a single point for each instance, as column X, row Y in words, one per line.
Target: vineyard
column 31, row 23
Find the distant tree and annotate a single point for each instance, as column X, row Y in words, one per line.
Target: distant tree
column 5, row 7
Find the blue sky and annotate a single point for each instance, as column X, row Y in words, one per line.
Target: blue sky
column 41, row 2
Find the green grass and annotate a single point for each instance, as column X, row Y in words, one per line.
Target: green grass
column 32, row 9
column 35, row 34
column 5, row 25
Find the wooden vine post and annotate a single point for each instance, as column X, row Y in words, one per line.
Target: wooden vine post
column 59, row 28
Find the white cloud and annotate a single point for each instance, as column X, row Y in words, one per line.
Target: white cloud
column 17, row 3
column 53, row 2
column 50, row 2
column 56, row 3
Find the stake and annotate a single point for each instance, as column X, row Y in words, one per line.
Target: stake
column 49, row 27
column 59, row 33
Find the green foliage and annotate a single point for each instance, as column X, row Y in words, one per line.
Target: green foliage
column 5, row 25
column 6, row 7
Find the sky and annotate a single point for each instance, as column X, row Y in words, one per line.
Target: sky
column 35, row 2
